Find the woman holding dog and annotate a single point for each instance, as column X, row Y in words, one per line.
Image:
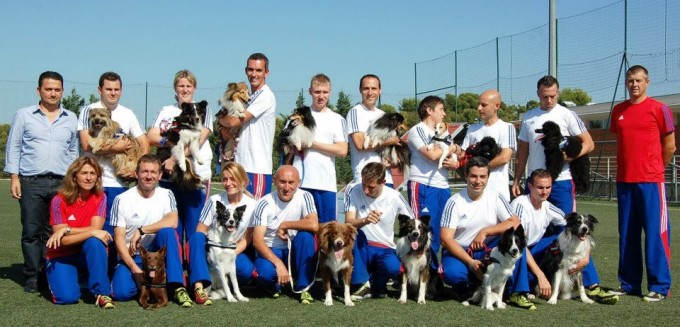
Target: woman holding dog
column 234, row 181
column 190, row 202
column 77, row 215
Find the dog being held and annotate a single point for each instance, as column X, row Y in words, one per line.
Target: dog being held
column 486, row 148
column 105, row 133
column 391, row 124
column 222, row 253
column 336, row 241
column 442, row 140
column 572, row 245
column 185, row 132
column 502, row 265
column 297, row 134
column 233, row 103
column 556, row 146
column 413, row 249
column 153, row 292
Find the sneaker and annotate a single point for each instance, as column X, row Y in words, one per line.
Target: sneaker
column 31, row 285
column 183, row 298
column 653, row 297
column 379, row 296
column 306, row 298
column 275, row 294
column 618, row 291
column 600, row 296
column 364, row 292
column 202, row 297
column 521, row 301
column 104, row 302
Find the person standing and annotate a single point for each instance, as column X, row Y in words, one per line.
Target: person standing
column 41, row 144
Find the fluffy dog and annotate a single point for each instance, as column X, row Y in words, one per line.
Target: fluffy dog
column 153, row 294
column 502, row 264
column 442, row 140
column 413, row 245
column 486, row 148
column 222, row 253
column 554, row 145
column 389, row 125
column 573, row 244
column 105, row 132
column 233, row 103
column 336, row 242
column 297, row 134
column 185, row 132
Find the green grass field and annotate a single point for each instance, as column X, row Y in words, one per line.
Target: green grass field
column 19, row 308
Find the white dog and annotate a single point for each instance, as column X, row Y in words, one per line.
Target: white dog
column 442, row 140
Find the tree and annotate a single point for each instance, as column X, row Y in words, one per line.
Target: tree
column 73, row 102
column 300, row 102
column 93, row 98
column 408, row 105
column 344, row 104
column 577, row 96
column 388, row 108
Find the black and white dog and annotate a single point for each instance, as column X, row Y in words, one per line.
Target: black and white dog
column 554, row 144
column 502, row 264
column 297, row 134
column 573, row 244
column 222, row 253
column 389, row 125
column 413, row 248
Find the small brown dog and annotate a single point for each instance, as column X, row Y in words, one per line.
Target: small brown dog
column 233, row 102
column 104, row 133
column 154, row 284
column 336, row 242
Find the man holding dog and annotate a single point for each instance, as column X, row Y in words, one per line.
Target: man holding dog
column 536, row 214
column 504, row 134
column 645, row 134
column 373, row 208
column 256, row 138
column 472, row 222
column 530, row 149
column 330, row 141
column 146, row 216
column 41, row 144
column 284, row 226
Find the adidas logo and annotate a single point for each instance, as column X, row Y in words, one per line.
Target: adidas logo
column 363, row 207
column 621, row 117
column 71, row 218
column 463, row 217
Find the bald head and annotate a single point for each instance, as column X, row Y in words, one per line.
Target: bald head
column 287, row 180
column 286, row 170
column 489, row 103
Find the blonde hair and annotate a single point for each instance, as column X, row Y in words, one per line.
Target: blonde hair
column 320, row 79
column 184, row 73
column 69, row 187
column 238, row 173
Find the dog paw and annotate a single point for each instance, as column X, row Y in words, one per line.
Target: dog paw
column 489, row 307
column 243, row 298
column 502, row 305
column 329, row 302
column 552, row 301
column 587, row 300
column 182, row 166
column 466, row 303
column 232, row 299
column 421, row 301
column 531, row 296
column 349, row 303
column 199, row 160
column 402, row 300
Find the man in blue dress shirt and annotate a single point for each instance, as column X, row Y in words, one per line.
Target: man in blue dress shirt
column 42, row 143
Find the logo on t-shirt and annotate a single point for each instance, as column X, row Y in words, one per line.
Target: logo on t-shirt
column 363, row 207
column 71, row 218
column 463, row 217
column 621, row 117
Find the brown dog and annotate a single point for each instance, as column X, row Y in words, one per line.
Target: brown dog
column 336, row 242
column 233, row 102
column 104, row 133
column 154, row 284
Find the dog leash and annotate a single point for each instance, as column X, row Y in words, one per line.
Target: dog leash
column 211, row 243
column 292, row 285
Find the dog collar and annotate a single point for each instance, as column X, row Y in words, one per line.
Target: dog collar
column 564, row 143
column 220, row 245
column 445, row 140
column 154, row 285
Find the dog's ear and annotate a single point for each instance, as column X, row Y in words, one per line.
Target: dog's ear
column 425, row 219
column 520, row 230
column 403, row 219
column 239, row 211
column 592, row 219
column 509, row 231
column 323, row 230
column 162, row 251
column 142, row 251
column 351, row 232
column 219, row 206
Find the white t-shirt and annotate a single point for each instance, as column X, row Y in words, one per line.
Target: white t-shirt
column 270, row 211
column 469, row 217
column 505, row 136
column 164, row 121
column 129, row 125
column 569, row 122
column 256, row 139
column 389, row 202
column 209, row 212
column 359, row 119
column 318, row 169
column 535, row 222
column 424, row 170
column 131, row 211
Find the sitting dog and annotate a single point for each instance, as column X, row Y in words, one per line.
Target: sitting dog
column 233, row 103
column 572, row 245
column 153, row 294
column 555, row 146
column 389, row 125
column 336, row 242
column 297, row 134
column 486, row 148
column 413, row 249
column 185, row 132
column 442, row 140
column 502, row 265
column 222, row 253
column 104, row 133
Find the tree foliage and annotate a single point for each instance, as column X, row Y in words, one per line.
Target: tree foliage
column 575, row 95
column 300, row 102
column 93, row 98
column 73, row 102
column 344, row 104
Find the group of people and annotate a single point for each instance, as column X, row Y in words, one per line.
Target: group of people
column 74, row 208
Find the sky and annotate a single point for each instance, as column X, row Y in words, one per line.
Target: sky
column 149, row 41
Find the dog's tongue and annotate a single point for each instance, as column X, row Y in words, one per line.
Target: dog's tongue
column 339, row 253
column 414, row 245
column 152, row 273
column 230, row 229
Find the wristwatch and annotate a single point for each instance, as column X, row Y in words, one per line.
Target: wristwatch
column 141, row 233
column 68, row 230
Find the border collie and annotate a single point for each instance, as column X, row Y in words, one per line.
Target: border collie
column 413, row 248
column 336, row 241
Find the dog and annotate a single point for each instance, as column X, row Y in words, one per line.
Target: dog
column 555, row 146
column 502, row 265
column 486, row 148
column 336, row 242
column 104, row 132
column 389, row 125
column 154, row 285
column 442, row 140
column 572, row 245
column 413, row 249
column 297, row 134
column 185, row 131
column 222, row 253
column 233, row 103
